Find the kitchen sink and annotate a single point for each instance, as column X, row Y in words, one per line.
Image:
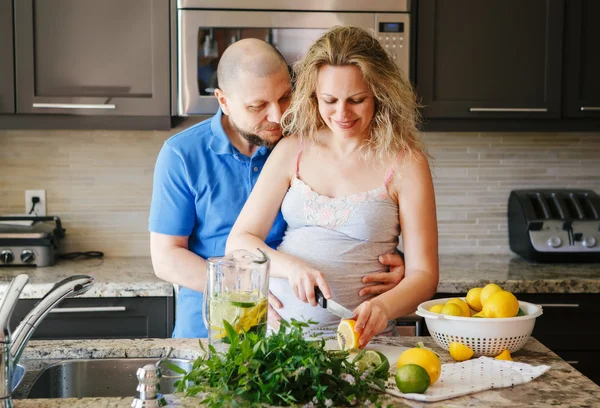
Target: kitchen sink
column 100, row 378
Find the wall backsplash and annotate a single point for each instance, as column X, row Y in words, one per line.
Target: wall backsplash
column 100, row 182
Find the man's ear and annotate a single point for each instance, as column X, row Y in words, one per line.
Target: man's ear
column 220, row 95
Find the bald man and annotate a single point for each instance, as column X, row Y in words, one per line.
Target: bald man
column 204, row 175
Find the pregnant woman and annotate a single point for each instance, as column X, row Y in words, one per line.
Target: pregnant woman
column 349, row 177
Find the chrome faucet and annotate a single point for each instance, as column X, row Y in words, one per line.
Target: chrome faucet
column 11, row 347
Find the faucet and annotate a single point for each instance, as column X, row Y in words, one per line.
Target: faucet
column 11, row 347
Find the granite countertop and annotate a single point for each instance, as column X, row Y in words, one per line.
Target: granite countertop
column 459, row 273
column 115, row 277
column 561, row 385
column 131, row 277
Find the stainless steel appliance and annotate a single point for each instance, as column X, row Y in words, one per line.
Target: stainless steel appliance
column 207, row 27
column 30, row 245
column 555, row 225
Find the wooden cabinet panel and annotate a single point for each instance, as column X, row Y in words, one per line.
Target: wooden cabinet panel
column 103, row 318
column 582, row 59
column 89, row 57
column 492, row 59
column 7, row 74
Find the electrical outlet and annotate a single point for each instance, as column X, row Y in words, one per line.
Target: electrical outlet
column 39, row 208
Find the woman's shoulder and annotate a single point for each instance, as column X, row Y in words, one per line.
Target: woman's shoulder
column 287, row 146
column 410, row 165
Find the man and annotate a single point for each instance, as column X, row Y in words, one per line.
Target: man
column 204, row 175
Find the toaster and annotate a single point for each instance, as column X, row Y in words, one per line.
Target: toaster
column 561, row 225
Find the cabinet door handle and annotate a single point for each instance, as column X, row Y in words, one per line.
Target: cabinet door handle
column 89, row 309
column 559, row 304
column 508, row 109
column 572, row 362
column 590, row 108
column 74, row 106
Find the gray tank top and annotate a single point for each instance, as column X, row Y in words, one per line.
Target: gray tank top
column 342, row 237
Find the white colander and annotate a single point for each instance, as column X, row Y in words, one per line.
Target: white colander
column 485, row 336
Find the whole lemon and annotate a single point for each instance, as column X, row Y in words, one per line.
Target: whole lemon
column 436, row 308
column 466, row 312
column 501, row 304
column 487, row 291
column 422, row 357
column 474, row 299
column 452, row 309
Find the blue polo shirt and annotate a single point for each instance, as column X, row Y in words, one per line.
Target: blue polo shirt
column 201, row 182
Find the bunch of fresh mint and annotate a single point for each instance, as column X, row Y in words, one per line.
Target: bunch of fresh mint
column 282, row 369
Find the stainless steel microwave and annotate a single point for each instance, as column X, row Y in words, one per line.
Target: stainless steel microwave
column 207, row 27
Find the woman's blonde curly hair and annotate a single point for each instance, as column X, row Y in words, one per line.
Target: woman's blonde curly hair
column 393, row 128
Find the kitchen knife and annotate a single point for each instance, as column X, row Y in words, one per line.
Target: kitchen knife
column 332, row 306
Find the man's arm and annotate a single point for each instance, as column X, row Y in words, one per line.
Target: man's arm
column 174, row 262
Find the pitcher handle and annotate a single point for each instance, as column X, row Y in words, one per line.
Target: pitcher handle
column 205, row 305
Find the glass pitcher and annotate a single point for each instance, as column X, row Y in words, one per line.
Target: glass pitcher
column 237, row 290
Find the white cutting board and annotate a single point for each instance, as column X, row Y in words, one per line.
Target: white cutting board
column 391, row 352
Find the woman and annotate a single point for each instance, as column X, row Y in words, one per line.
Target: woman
column 350, row 175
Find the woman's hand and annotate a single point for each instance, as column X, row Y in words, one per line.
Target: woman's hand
column 372, row 319
column 303, row 279
column 273, row 317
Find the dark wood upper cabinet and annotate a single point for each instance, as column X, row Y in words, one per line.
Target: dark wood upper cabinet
column 7, row 73
column 581, row 85
column 490, row 59
column 90, row 57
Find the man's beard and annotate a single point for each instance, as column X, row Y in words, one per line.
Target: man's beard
column 253, row 138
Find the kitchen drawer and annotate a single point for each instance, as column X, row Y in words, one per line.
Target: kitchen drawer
column 586, row 362
column 102, row 318
column 567, row 322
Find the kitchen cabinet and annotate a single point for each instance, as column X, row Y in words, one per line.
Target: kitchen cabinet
column 582, row 59
column 566, row 327
column 7, row 85
column 89, row 57
column 103, row 318
column 490, row 59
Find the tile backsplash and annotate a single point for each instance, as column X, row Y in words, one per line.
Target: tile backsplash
column 100, row 182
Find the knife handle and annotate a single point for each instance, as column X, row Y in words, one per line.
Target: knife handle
column 320, row 298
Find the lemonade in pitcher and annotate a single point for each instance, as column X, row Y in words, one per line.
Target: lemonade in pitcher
column 244, row 311
column 237, row 289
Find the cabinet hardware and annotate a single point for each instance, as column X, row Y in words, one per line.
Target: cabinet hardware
column 572, row 362
column 508, row 109
column 590, row 108
column 559, row 304
column 89, row 309
column 74, row 106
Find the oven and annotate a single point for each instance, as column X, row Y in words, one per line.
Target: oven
column 207, row 27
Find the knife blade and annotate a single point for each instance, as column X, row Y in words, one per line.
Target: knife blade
column 332, row 306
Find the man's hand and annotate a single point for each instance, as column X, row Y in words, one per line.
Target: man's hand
column 384, row 281
column 273, row 317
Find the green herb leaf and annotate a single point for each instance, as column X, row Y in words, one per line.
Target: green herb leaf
column 282, row 369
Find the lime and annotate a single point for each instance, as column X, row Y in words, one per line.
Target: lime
column 520, row 312
column 412, row 378
column 243, row 299
column 375, row 359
